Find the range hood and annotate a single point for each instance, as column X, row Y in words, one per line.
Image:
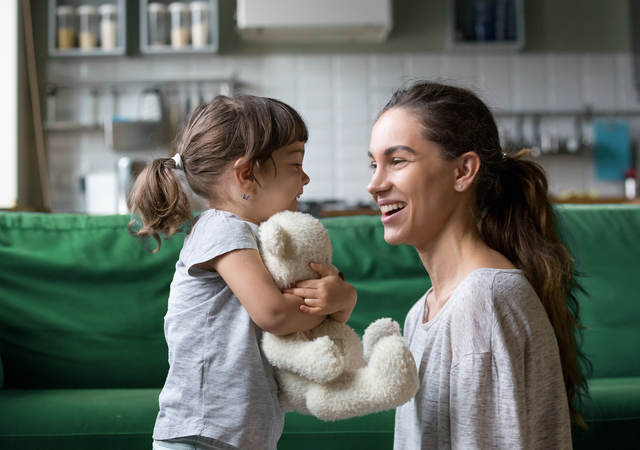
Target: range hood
column 308, row 21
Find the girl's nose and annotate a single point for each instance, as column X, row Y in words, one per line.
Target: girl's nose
column 305, row 178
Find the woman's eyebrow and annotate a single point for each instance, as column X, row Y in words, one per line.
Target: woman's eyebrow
column 395, row 148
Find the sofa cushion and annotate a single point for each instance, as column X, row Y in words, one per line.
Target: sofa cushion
column 371, row 432
column 77, row 418
column 612, row 413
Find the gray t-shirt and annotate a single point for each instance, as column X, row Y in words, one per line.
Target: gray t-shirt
column 490, row 371
column 219, row 385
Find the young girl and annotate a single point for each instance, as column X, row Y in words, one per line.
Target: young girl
column 244, row 155
column 494, row 336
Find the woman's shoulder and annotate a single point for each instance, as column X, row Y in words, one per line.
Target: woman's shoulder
column 486, row 292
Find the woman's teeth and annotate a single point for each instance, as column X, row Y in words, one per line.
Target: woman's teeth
column 392, row 207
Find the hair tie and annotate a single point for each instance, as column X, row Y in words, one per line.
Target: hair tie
column 178, row 160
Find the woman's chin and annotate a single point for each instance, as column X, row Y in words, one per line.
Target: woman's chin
column 392, row 238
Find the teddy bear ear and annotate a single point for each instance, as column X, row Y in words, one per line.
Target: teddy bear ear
column 275, row 240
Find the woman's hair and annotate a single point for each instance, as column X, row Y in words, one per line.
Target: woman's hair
column 512, row 209
column 216, row 135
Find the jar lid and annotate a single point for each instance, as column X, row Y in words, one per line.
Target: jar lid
column 107, row 8
column 178, row 7
column 156, row 7
column 199, row 6
column 65, row 9
column 86, row 10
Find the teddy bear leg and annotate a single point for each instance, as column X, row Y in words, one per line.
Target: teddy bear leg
column 319, row 359
column 376, row 331
column 389, row 380
column 292, row 390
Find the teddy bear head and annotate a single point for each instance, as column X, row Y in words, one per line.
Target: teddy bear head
column 289, row 241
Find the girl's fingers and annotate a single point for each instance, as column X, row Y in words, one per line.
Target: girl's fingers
column 313, row 302
column 323, row 270
column 310, row 310
column 301, row 292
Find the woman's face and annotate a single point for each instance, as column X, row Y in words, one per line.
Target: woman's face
column 411, row 183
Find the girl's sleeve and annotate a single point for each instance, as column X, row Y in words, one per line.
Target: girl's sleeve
column 215, row 236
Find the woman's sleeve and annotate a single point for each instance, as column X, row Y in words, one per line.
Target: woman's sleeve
column 486, row 411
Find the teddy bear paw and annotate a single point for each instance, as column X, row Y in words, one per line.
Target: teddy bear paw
column 376, row 331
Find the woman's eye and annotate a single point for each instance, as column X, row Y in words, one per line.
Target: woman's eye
column 372, row 165
column 396, row 161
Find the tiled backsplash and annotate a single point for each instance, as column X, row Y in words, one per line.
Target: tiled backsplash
column 339, row 97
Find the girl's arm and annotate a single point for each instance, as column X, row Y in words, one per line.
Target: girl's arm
column 273, row 311
column 329, row 295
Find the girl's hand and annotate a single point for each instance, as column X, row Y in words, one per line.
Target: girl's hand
column 329, row 295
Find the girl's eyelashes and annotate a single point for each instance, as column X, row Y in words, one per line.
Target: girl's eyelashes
column 372, row 165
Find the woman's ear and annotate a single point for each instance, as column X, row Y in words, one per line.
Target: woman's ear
column 467, row 167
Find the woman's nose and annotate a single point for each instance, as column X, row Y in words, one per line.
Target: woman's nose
column 378, row 183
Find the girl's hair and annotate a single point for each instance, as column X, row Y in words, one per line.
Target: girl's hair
column 216, row 134
column 512, row 210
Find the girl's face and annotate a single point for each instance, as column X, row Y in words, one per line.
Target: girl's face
column 281, row 184
column 411, row 183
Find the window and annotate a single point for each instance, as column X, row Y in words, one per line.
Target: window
column 9, row 103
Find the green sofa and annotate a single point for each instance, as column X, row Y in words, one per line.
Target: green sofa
column 83, row 357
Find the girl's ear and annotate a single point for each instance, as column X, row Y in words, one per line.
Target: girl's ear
column 467, row 167
column 243, row 174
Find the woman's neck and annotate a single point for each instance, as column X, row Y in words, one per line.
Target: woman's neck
column 455, row 254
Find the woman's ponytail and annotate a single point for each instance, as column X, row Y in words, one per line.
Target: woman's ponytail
column 158, row 197
column 516, row 218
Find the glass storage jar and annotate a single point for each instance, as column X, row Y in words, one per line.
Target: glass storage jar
column 66, row 27
column 89, row 27
column 158, row 22
column 179, row 24
column 108, row 26
column 199, row 24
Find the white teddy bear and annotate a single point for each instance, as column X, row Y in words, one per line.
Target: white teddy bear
column 327, row 371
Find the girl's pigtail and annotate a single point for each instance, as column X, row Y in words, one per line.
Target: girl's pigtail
column 160, row 201
column 517, row 219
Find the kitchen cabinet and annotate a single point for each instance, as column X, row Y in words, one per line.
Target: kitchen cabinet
column 486, row 24
column 178, row 27
column 86, row 27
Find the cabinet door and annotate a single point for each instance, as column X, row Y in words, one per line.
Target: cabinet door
column 486, row 24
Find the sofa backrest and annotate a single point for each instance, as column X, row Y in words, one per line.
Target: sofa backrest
column 605, row 242
column 82, row 302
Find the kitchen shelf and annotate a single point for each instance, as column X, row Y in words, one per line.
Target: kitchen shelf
column 75, row 51
column 212, row 35
column 72, row 126
column 486, row 25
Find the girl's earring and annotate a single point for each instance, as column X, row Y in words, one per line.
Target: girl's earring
column 245, row 196
column 459, row 187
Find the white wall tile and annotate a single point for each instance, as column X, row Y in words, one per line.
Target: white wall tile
column 530, row 82
column 424, row 67
column 564, row 89
column 495, row 81
column 460, row 70
column 599, row 81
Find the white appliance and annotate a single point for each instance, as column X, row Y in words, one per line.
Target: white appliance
column 305, row 21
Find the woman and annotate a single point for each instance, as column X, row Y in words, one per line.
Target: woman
column 494, row 336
